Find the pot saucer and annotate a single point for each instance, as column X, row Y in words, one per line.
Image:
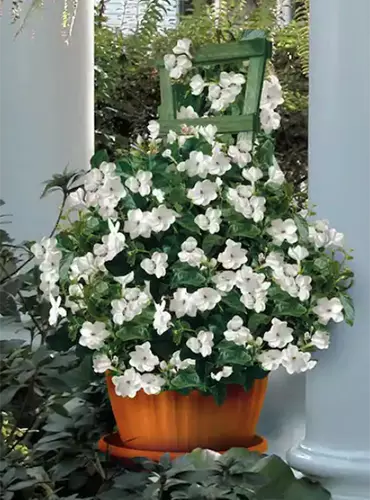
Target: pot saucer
column 113, row 445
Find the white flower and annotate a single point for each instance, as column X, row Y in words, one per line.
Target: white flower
column 252, row 174
column 161, row 218
column 295, row 361
column 162, row 318
column 76, row 199
column 153, row 128
column 112, row 245
column 239, row 198
column 119, row 307
column 320, row 339
column 270, row 120
column 128, row 384
column 182, row 47
column 275, row 260
column 83, row 267
column 182, row 65
column 224, row 373
column 177, row 363
column 152, row 384
column 225, row 280
column 93, row 179
column 141, row 183
column 219, row 163
column 202, row 343
column 197, row 85
column 203, row 192
column 210, row 221
column 229, row 79
column 206, row 298
column 183, row 303
column 257, row 204
column 276, row 176
column 93, row 334
column 328, row 309
column 209, row 133
column 304, row 287
column 248, row 281
column 283, row 230
column 298, row 253
column 101, row 363
column 187, row 112
column 143, row 359
column 236, row 332
column 125, row 280
column 270, row 360
column 138, row 223
column 158, row 195
column 196, row 164
column 171, row 137
column 279, row 334
column 56, row 310
column 111, row 189
column 169, row 61
column 157, row 264
column 240, row 153
column 233, row 256
column 271, row 95
column 137, row 301
column 322, row 236
column 190, row 253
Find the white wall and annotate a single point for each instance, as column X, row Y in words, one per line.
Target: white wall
column 46, row 111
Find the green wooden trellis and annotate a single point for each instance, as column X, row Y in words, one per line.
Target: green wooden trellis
column 254, row 48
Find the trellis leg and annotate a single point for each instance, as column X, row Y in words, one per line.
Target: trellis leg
column 336, row 447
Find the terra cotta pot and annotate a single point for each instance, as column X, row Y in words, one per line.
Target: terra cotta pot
column 173, row 422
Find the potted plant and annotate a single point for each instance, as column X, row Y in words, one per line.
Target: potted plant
column 192, row 270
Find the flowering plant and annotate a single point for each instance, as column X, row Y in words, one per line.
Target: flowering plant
column 191, row 265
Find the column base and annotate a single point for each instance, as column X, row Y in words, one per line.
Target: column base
column 345, row 474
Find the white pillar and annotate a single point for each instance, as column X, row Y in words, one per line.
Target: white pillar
column 336, row 447
column 46, row 110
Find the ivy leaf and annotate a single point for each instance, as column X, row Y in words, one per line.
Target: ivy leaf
column 185, row 275
column 211, row 241
column 349, row 310
column 187, row 222
column 186, row 379
column 232, row 299
column 232, row 354
column 257, row 320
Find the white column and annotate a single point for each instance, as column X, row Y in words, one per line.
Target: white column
column 336, row 447
column 46, row 110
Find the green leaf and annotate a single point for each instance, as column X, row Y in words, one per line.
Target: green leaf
column 185, row 275
column 98, row 158
column 22, row 485
column 243, row 229
column 348, row 308
column 187, row 222
column 65, row 264
column 232, row 299
column 219, row 392
column 211, row 241
column 232, row 354
column 186, row 379
column 256, row 320
column 119, row 265
column 302, row 227
column 8, row 394
column 290, row 308
column 133, row 332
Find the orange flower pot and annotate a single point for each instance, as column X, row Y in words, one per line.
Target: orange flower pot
column 172, row 422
